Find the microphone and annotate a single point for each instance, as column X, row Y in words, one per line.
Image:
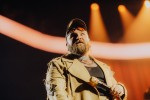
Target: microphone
column 97, row 83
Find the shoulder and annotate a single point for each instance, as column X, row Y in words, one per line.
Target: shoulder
column 56, row 60
column 62, row 61
column 105, row 65
column 101, row 63
column 55, row 65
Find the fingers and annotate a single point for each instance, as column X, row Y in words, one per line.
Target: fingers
column 94, row 81
column 117, row 90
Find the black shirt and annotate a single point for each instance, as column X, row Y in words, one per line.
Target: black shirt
column 98, row 73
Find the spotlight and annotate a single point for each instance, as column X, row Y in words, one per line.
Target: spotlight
column 121, row 8
column 147, row 3
column 94, row 6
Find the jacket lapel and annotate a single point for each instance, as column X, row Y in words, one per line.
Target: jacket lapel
column 78, row 70
column 106, row 70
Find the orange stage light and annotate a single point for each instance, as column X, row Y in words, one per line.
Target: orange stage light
column 147, row 4
column 31, row 37
column 97, row 29
column 126, row 17
column 139, row 30
column 94, row 6
column 45, row 42
column 121, row 8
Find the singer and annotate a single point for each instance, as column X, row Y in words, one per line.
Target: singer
column 77, row 75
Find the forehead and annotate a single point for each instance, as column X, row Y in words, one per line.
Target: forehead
column 76, row 29
column 72, row 33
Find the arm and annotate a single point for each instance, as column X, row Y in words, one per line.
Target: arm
column 118, row 89
column 55, row 83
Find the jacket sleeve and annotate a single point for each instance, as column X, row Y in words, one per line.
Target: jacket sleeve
column 55, row 83
column 124, row 96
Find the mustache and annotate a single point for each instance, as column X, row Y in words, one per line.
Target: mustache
column 79, row 41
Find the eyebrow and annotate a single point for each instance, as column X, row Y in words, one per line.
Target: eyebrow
column 73, row 29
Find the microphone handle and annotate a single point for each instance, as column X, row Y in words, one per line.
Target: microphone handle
column 108, row 87
column 99, row 83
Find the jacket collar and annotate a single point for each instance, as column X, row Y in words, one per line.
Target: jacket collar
column 107, row 72
column 77, row 69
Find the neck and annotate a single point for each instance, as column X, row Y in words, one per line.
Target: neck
column 85, row 57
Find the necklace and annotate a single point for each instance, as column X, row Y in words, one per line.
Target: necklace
column 87, row 61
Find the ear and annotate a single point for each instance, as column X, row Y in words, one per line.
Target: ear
column 88, row 39
column 67, row 43
column 90, row 44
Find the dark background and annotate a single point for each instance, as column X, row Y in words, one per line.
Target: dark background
column 23, row 68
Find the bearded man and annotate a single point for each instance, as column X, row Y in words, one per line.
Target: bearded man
column 79, row 76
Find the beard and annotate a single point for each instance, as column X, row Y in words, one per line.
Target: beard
column 79, row 48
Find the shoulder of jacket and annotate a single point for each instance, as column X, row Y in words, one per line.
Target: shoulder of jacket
column 104, row 64
column 100, row 62
column 58, row 61
column 54, row 59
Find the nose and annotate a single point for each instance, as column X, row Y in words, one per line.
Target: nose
column 78, row 36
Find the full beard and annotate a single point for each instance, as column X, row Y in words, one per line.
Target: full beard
column 79, row 48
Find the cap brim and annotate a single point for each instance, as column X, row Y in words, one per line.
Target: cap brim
column 75, row 23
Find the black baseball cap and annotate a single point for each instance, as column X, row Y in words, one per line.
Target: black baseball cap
column 75, row 23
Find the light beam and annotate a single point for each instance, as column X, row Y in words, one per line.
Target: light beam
column 48, row 43
column 126, row 17
column 97, row 29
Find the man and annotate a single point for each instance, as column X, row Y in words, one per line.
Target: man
column 79, row 76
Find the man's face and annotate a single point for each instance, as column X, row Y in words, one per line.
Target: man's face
column 78, row 41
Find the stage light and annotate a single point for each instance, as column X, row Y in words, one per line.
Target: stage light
column 94, row 6
column 121, row 8
column 147, row 3
column 31, row 37
column 97, row 29
column 139, row 30
column 45, row 42
column 126, row 17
